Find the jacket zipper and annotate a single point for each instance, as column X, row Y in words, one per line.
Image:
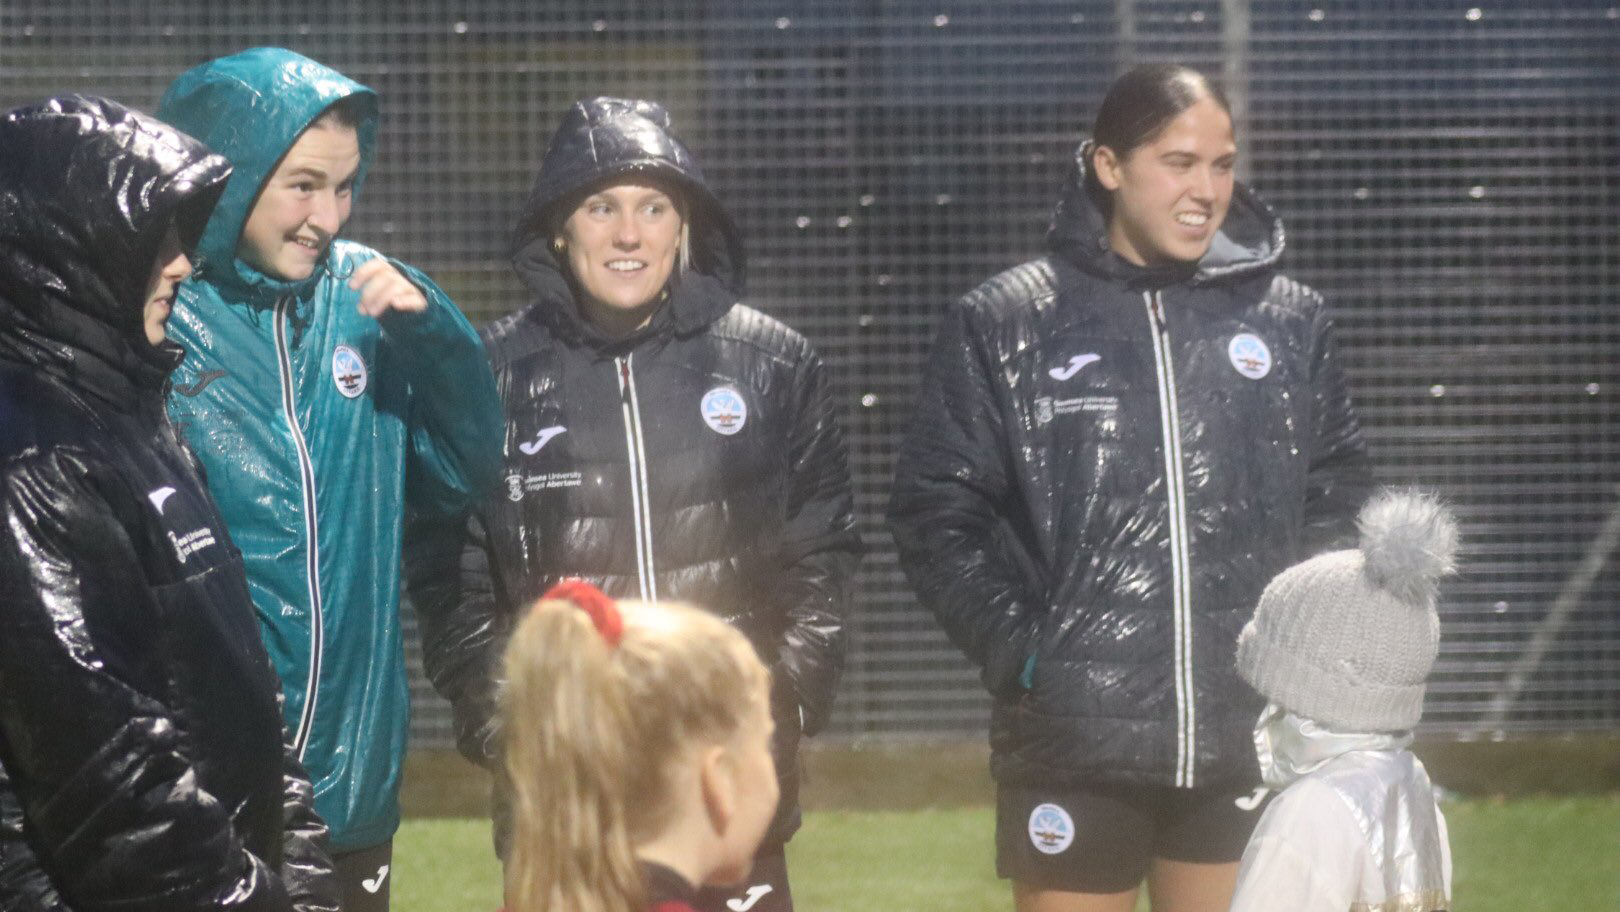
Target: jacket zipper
column 1175, row 493
column 640, row 507
column 312, row 568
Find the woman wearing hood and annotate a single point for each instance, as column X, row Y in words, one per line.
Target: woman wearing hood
column 664, row 441
column 329, row 390
column 1115, row 448
column 145, row 763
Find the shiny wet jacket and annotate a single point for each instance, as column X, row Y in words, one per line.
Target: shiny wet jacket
column 140, row 734
column 320, row 427
column 698, row 459
column 1106, row 466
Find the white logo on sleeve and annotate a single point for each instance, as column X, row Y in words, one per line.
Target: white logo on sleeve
column 755, row 893
column 541, row 439
column 1051, row 829
column 1249, row 355
column 348, row 371
column 1074, row 366
column 724, row 410
column 373, row 884
column 160, row 496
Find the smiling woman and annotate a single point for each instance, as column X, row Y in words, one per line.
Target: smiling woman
column 622, row 243
column 666, row 441
column 1116, row 447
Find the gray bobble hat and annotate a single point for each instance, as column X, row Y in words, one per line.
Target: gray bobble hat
column 1348, row 638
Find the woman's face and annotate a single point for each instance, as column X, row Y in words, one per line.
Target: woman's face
column 1171, row 194
column 622, row 243
column 169, row 269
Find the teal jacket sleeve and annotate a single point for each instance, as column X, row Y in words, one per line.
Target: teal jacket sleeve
column 454, row 430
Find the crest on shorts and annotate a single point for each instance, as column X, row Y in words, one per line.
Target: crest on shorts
column 348, row 371
column 724, row 410
column 1051, row 829
column 1249, row 355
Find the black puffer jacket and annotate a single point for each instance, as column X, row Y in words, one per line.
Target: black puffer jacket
column 1107, row 465
column 698, row 459
column 143, row 753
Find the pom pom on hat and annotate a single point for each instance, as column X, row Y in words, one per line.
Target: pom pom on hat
column 1348, row 638
column 1408, row 541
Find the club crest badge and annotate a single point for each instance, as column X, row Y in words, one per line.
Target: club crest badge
column 348, row 371
column 1044, row 413
column 1249, row 355
column 724, row 410
column 1051, row 829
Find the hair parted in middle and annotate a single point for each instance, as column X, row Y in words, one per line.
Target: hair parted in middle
column 590, row 726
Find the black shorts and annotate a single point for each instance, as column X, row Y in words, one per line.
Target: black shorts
column 765, row 890
column 1102, row 838
column 365, row 876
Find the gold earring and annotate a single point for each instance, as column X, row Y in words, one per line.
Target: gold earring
column 558, row 245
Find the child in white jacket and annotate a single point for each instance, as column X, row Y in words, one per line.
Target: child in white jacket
column 1342, row 645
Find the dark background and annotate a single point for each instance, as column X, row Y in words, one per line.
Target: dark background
column 1449, row 173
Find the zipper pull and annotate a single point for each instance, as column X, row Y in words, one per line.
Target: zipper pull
column 1158, row 312
column 624, row 380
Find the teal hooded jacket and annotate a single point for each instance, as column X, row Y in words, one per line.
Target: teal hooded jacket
column 319, row 427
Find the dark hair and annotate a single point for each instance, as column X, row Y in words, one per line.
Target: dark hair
column 1143, row 101
column 347, row 111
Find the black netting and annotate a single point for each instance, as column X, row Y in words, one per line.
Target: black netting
column 1449, row 171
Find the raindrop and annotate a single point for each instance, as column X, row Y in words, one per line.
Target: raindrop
column 460, row 28
column 1592, row 389
column 169, row 31
column 28, row 30
column 388, row 227
column 868, row 400
column 1078, row 18
column 941, row 20
column 885, row 279
column 867, row 199
column 1316, row 15
column 1500, row 607
column 599, row 25
column 1361, row 193
column 944, row 199
column 1474, row 14
column 1477, row 191
column 867, row 320
column 784, row 22
column 1438, row 390
column 802, row 221
column 845, row 221
column 1197, row 16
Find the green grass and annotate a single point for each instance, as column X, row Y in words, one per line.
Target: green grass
column 1522, row 855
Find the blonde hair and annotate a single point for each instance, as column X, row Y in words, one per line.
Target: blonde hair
column 588, row 727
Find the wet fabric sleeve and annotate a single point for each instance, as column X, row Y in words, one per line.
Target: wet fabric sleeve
column 448, row 578
column 952, row 482
column 821, row 549
column 24, row 885
column 454, row 422
column 306, row 862
column 1340, row 473
column 114, row 811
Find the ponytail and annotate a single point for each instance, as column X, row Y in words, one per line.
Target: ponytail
column 588, row 725
column 571, row 849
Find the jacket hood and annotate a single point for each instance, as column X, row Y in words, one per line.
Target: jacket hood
column 251, row 107
column 597, row 141
column 1250, row 240
column 88, row 189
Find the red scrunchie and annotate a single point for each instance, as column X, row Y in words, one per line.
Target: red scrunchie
column 601, row 608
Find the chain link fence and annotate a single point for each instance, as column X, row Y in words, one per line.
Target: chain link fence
column 1449, row 172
